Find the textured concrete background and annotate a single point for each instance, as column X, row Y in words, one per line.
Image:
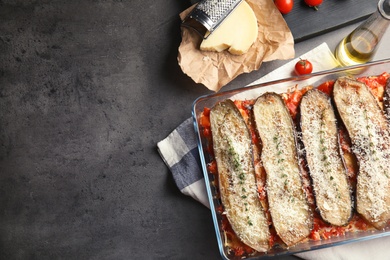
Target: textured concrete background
column 87, row 89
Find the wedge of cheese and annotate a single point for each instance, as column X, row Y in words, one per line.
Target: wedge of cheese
column 236, row 33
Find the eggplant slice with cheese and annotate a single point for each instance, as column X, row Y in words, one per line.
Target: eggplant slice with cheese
column 289, row 209
column 369, row 133
column 326, row 167
column 232, row 146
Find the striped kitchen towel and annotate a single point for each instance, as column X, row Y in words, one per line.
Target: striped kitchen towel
column 180, row 153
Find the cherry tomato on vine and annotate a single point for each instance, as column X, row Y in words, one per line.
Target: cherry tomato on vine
column 313, row 3
column 303, row 67
column 284, row 6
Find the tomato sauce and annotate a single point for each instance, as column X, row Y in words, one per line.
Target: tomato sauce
column 321, row 230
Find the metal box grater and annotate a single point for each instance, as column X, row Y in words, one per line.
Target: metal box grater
column 208, row 15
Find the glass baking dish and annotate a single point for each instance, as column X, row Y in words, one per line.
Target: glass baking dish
column 279, row 86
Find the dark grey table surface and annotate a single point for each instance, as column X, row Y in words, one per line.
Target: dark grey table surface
column 87, row 89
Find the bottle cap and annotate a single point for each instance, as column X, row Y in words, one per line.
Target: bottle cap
column 384, row 8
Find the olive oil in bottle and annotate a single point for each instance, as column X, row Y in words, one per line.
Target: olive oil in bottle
column 356, row 49
column 360, row 45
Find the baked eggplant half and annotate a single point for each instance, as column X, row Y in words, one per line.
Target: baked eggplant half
column 232, row 146
column 289, row 209
column 368, row 130
column 320, row 138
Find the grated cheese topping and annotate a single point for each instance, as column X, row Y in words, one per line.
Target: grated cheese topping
column 233, row 154
column 369, row 133
column 320, row 138
column 288, row 205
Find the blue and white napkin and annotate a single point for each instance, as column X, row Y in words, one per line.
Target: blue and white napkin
column 180, row 153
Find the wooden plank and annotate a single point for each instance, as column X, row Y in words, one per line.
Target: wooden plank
column 305, row 22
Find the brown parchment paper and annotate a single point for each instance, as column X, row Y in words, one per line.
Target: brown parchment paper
column 215, row 70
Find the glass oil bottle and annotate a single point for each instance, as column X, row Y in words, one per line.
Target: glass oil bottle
column 360, row 45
